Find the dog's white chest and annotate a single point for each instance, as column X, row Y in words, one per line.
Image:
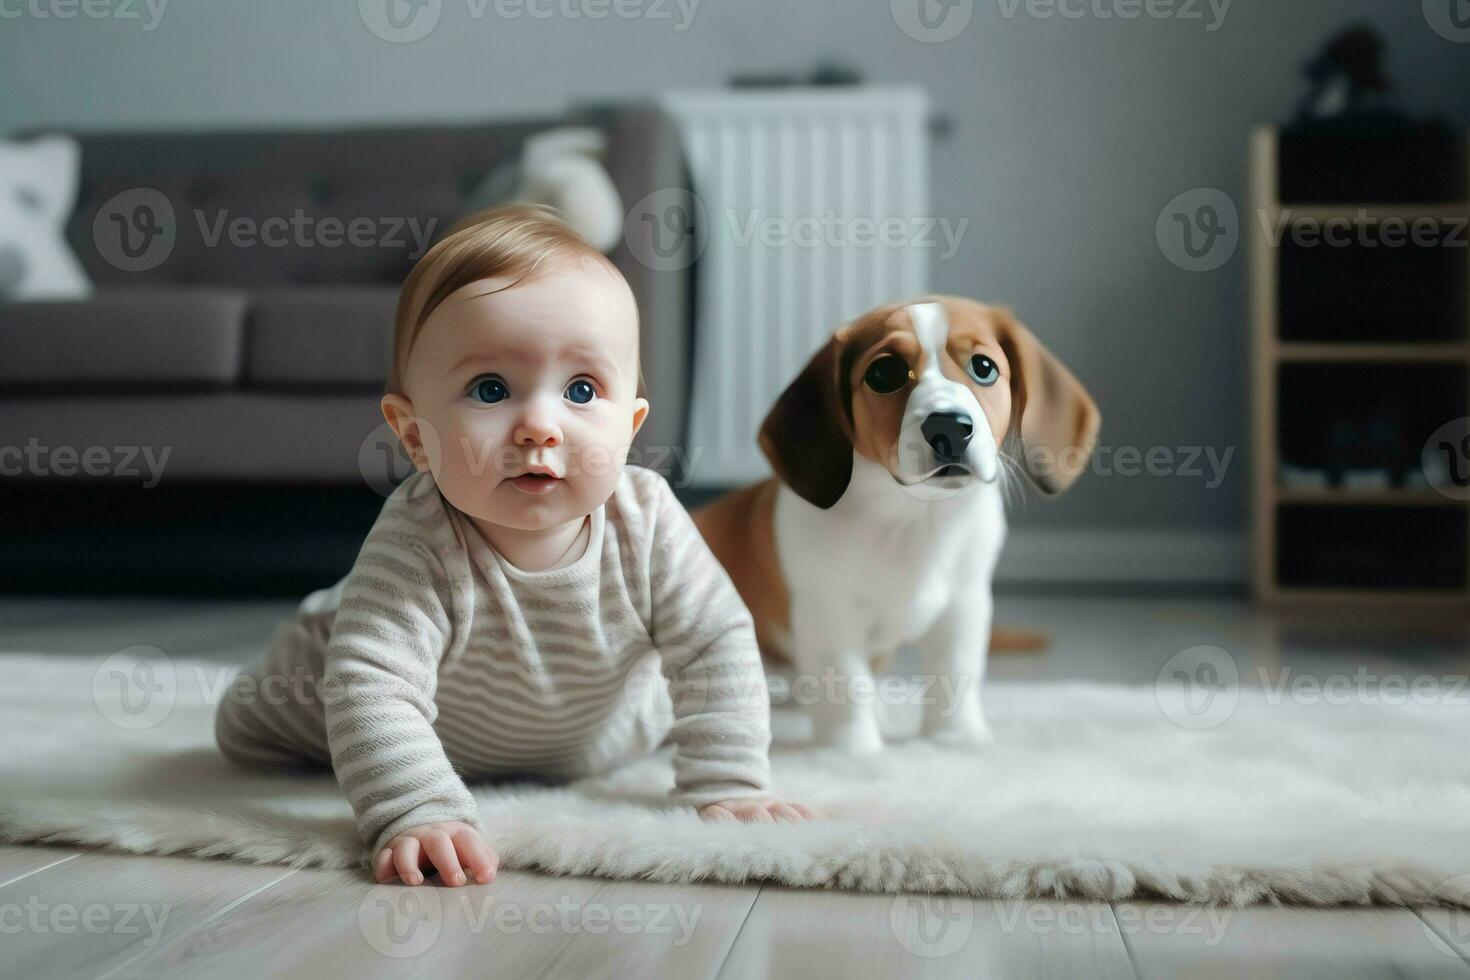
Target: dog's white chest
column 872, row 580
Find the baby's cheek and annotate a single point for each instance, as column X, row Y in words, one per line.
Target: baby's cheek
column 473, row 449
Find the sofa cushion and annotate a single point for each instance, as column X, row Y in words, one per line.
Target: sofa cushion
column 320, row 338
column 126, row 337
column 237, row 435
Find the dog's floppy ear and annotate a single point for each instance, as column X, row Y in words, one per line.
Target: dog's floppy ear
column 805, row 435
column 1055, row 416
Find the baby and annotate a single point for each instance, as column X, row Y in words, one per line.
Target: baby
column 526, row 603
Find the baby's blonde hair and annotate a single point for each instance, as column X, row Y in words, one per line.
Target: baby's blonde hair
column 515, row 240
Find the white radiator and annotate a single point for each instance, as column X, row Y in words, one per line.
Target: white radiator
column 815, row 207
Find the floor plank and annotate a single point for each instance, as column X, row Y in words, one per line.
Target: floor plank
column 94, row 913
column 796, row 933
column 17, row 863
column 337, row 923
column 1288, row 942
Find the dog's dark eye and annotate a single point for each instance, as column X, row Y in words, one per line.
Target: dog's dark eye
column 984, row 370
column 887, row 374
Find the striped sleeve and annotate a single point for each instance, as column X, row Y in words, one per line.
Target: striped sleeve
column 381, row 672
column 706, row 636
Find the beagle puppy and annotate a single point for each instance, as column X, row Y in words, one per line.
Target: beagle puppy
column 885, row 516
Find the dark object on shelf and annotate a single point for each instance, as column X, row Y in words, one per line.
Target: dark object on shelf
column 1342, row 417
column 1344, row 76
column 1346, row 144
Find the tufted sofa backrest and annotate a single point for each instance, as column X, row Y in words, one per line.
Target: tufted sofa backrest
column 398, row 184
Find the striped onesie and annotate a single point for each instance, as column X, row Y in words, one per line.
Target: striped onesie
column 436, row 658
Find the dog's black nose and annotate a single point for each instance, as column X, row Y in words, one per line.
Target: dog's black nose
column 948, row 434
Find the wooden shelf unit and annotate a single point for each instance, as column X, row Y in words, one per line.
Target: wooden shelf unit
column 1270, row 353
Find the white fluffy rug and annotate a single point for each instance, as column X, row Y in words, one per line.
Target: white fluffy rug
column 1088, row 791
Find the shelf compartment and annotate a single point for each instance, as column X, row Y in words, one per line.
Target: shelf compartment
column 1374, row 293
column 1372, row 547
column 1424, row 164
column 1340, row 417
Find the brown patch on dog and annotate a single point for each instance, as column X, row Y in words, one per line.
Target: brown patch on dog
column 739, row 528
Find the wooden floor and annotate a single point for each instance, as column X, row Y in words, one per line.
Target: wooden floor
column 66, row 913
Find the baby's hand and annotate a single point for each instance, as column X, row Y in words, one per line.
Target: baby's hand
column 442, row 846
column 757, row 809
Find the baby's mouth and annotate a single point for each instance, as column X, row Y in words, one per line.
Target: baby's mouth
column 535, row 483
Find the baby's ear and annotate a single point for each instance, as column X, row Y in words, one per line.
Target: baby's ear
column 640, row 413
column 420, row 440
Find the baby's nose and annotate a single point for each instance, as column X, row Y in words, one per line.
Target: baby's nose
column 537, row 428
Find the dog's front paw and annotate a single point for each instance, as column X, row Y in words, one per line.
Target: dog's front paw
column 852, row 738
column 971, row 735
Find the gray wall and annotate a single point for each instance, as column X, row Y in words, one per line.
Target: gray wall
column 1069, row 137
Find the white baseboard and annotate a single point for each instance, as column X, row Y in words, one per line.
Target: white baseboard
column 1064, row 556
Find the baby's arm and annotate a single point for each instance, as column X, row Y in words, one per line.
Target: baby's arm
column 382, row 661
column 722, row 708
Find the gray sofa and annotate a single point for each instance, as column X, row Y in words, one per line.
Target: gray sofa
column 258, row 368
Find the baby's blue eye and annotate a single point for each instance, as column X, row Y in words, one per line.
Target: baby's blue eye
column 490, row 391
column 581, row 391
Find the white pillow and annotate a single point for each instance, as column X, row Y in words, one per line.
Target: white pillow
column 562, row 168
column 38, row 189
